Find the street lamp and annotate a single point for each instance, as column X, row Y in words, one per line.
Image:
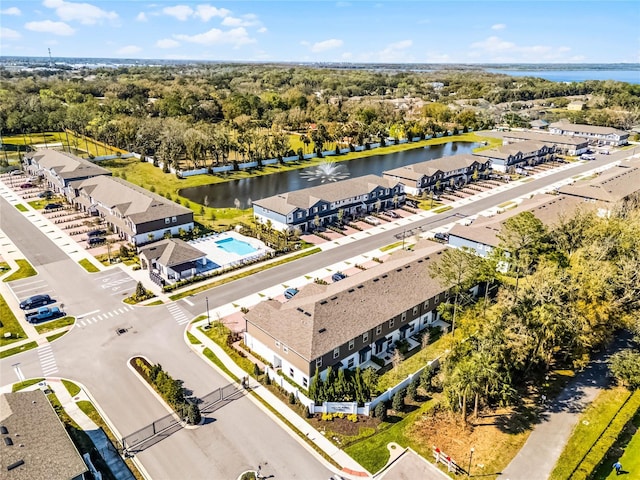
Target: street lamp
column 470, row 457
column 208, row 319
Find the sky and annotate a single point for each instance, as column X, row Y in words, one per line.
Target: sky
column 418, row 31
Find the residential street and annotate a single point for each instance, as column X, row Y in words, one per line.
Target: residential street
column 242, row 435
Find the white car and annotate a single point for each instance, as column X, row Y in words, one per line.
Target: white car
column 372, row 220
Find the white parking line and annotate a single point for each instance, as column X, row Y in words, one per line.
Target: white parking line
column 87, row 314
column 188, row 302
column 110, row 314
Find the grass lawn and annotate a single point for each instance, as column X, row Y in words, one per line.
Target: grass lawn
column 71, row 387
column 21, row 207
column 442, row 209
column 595, row 433
column 10, row 324
column 88, row 266
column 41, row 202
column 627, row 453
column 16, row 350
column 412, row 364
column 246, row 273
column 25, row 384
column 372, row 452
column 79, row 145
column 24, row 270
column 192, row 339
column 219, row 333
column 55, row 324
column 55, row 336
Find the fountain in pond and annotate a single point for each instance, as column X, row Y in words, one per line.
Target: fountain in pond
column 327, row 171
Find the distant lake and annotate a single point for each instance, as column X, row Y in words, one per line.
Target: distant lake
column 629, row 76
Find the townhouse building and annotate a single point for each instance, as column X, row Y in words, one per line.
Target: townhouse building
column 433, row 175
column 307, row 209
column 344, row 324
column 573, row 146
column 513, row 157
column 135, row 214
column 596, row 135
column 60, row 169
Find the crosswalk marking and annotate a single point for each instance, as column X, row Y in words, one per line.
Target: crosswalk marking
column 178, row 314
column 104, row 316
column 47, row 360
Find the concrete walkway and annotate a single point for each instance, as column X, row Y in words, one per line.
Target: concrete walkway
column 539, row 455
column 350, row 468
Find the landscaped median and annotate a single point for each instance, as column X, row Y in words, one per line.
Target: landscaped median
column 24, row 270
column 11, row 330
column 55, row 324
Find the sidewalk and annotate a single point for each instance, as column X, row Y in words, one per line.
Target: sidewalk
column 350, row 468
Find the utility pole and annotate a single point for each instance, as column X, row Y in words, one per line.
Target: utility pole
column 208, row 319
column 50, row 59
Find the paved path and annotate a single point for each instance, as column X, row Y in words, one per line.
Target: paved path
column 539, row 455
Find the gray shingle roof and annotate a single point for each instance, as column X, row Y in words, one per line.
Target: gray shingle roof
column 171, row 252
column 138, row 204
column 39, row 439
column 595, row 129
column 546, row 138
column 505, row 151
column 547, row 208
column 431, row 167
column 330, row 192
column 612, row 185
column 322, row 317
column 67, row 165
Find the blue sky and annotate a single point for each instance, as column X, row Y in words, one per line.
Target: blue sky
column 344, row 31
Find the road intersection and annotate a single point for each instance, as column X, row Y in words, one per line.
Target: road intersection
column 95, row 355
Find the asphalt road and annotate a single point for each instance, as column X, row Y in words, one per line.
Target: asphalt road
column 242, row 435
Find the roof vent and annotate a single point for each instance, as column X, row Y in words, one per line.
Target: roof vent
column 360, row 286
column 334, row 298
column 7, row 441
column 323, row 302
column 376, row 279
column 385, row 275
column 351, row 290
column 299, row 309
column 4, row 430
column 15, row 465
column 307, row 314
column 322, row 330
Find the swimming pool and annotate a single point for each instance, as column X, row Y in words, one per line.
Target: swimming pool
column 232, row 245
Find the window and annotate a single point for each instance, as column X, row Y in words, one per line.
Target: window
column 277, row 344
column 324, row 207
column 392, row 322
column 291, row 372
column 336, row 352
column 426, row 305
column 305, row 382
column 378, row 329
column 318, row 362
column 351, row 362
column 299, row 214
column 174, row 219
column 285, row 349
column 351, row 344
column 365, row 337
column 167, row 221
column 404, row 316
column 415, row 311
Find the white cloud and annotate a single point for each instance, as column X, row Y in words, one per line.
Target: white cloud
column 128, row 50
column 85, row 13
column 495, row 49
column 236, row 37
column 167, row 43
column 8, row 34
column 47, row 26
column 326, row 45
column 11, row 11
column 206, row 12
column 181, row 12
column 141, row 17
column 347, row 56
column 395, row 52
column 262, row 30
column 248, row 20
column 498, row 26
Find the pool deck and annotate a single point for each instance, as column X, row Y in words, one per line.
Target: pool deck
column 220, row 256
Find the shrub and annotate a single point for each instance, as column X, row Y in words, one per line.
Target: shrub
column 380, row 411
column 412, row 389
column 292, row 398
column 267, row 379
column 193, row 414
column 352, row 417
column 398, row 401
column 256, row 370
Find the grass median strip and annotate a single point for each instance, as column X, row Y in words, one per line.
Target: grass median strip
column 55, row 324
column 88, row 266
column 27, row 383
column 246, row 273
column 21, row 207
column 24, row 270
column 10, row 325
column 19, row 349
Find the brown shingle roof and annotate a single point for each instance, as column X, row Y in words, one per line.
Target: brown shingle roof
column 505, row 151
column 431, row 167
column 171, row 252
column 579, row 128
column 546, row 138
column 322, row 317
column 612, row 185
column 39, row 439
column 67, row 165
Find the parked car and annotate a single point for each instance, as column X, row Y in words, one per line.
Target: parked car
column 26, row 185
column 96, row 240
column 42, row 314
column 96, row 233
column 35, row 301
column 17, row 172
column 336, row 277
column 444, row 237
column 584, row 156
column 412, row 203
column 290, row 293
column 52, row 206
column 45, row 194
column 372, row 220
column 392, row 214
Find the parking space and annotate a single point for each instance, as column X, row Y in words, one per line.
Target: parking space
column 117, row 282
